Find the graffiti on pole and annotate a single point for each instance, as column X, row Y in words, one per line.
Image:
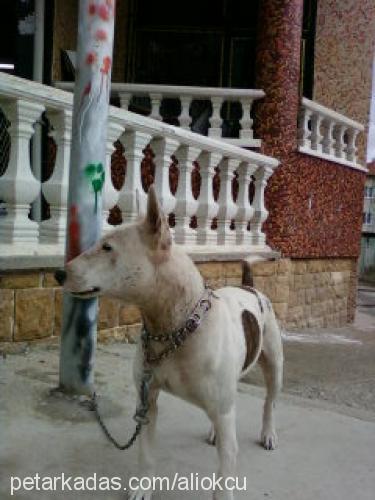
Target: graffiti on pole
column 86, row 183
column 96, row 176
column 105, row 12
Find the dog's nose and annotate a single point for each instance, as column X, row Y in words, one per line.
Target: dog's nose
column 60, row 276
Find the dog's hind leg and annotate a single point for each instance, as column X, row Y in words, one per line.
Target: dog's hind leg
column 146, row 444
column 227, row 447
column 271, row 362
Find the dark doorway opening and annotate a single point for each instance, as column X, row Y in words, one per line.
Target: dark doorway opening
column 8, row 33
column 209, row 43
column 308, row 48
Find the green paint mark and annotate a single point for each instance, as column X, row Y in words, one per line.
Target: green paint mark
column 96, row 175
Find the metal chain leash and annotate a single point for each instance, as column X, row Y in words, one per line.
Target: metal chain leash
column 140, row 415
column 104, row 428
column 176, row 340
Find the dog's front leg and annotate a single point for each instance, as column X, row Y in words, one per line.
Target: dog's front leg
column 227, row 447
column 146, row 444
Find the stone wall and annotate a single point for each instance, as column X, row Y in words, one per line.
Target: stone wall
column 304, row 292
column 31, row 305
column 309, row 292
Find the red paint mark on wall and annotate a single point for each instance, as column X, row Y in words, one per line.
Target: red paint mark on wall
column 104, row 12
column 91, row 58
column 101, row 35
column 86, row 90
column 74, row 230
column 106, row 66
column 92, row 9
column 105, row 69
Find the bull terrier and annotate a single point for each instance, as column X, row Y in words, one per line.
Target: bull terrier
column 140, row 265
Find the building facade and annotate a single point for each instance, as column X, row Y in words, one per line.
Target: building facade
column 312, row 60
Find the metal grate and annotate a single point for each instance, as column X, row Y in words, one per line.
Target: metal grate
column 4, row 143
column 4, row 151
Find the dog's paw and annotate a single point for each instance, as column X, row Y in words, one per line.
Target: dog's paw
column 211, row 438
column 269, row 439
column 140, row 494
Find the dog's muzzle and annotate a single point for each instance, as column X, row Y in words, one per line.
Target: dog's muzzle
column 87, row 294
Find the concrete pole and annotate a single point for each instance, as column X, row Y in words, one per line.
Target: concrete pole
column 86, row 180
column 38, row 65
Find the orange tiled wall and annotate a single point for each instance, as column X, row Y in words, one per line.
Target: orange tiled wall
column 315, row 206
column 344, row 51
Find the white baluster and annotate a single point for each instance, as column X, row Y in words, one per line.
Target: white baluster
column 125, row 99
column 186, row 205
column 245, row 210
column 304, row 133
column 327, row 143
column 55, row 190
column 18, row 186
column 163, row 149
column 227, row 207
column 316, row 136
column 215, row 119
column 110, row 194
column 262, row 174
column 132, row 196
column 339, row 144
column 246, row 121
column 185, row 118
column 351, row 150
column 207, row 208
column 155, row 100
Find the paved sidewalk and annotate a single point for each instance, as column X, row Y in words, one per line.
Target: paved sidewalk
column 323, row 455
column 336, row 365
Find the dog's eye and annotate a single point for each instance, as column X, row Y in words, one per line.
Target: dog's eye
column 106, row 247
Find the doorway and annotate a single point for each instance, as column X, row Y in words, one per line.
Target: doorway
column 210, row 43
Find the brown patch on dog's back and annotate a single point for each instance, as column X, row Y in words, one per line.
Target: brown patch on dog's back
column 252, row 336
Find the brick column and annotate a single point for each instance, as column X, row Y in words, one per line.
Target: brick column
column 277, row 73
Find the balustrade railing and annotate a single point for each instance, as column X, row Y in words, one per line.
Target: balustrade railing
column 229, row 223
column 225, row 113
column 329, row 135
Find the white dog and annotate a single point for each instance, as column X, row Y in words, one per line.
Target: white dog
column 139, row 264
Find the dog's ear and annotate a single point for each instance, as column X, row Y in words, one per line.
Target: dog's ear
column 154, row 214
column 157, row 223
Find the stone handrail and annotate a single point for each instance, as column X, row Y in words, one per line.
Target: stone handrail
column 239, row 223
column 186, row 95
column 326, row 134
